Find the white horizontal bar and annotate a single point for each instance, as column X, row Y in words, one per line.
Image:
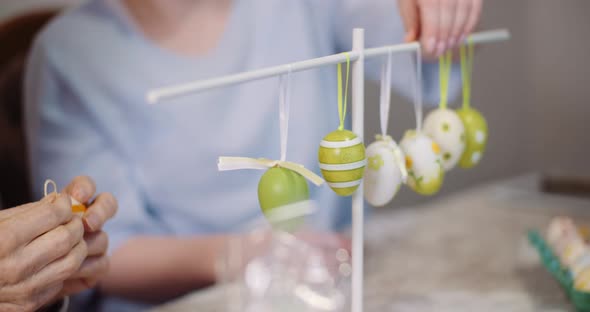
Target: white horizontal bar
column 157, row 95
column 397, row 48
column 480, row 37
column 160, row 94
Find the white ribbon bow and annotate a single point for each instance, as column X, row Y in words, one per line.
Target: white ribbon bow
column 239, row 163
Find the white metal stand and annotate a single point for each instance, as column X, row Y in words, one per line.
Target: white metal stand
column 357, row 57
column 358, row 115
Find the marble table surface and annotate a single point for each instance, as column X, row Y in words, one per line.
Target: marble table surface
column 464, row 252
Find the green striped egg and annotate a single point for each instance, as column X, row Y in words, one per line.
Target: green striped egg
column 342, row 161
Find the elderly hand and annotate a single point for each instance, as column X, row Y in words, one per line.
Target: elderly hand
column 99, row 211
column 41, row 245
column 439, row 25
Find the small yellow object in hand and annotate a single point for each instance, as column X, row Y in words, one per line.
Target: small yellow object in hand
column 77, row 207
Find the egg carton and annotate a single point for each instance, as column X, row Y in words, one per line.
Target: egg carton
column 580, row 299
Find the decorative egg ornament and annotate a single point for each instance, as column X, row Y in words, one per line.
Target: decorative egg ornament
column 423, row 162
column 446, row 128
column 280, row 187
column 476, row 136
column 383, row 175
column 476, row 128
column 342, row 161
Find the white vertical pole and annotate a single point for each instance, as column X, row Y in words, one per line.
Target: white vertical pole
column 358, row 115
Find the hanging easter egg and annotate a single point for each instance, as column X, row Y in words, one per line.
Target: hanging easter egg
column 383, row 175
column 446, row 128
column 279, row 187
column 476, row 136
column 342, row 161
column 423, row 162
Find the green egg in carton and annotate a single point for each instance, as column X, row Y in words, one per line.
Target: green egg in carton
column 580, row 299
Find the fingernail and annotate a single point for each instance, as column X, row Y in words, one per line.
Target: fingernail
column 452, row 42
column 440, row 48
column 463, row 38
column 93, row 221
column 79, row 193
column 431, row 45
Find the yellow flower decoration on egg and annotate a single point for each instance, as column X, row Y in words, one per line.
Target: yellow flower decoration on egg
column 435, row 148
column 376, row 162
column 409, row 162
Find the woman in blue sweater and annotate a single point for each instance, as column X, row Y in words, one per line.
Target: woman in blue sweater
column 88, row 75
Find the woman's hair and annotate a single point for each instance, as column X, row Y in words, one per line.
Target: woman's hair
column 16, row 35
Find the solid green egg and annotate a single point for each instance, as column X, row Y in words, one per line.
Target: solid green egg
column 476, row 136
column 279, row 187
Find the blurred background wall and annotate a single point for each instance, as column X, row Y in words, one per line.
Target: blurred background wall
column 533, row 91
column 10, row 8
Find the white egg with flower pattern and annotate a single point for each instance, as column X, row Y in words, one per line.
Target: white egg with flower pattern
column 423, row 162
column 446, row 128
column 383, row 175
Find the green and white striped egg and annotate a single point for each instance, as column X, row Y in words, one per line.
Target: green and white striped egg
column 342, row 161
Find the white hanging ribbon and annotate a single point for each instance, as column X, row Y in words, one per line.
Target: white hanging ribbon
column 384, row 105
column 238, row 163
column 418, row 90
column 385, row 97
column 284, row 107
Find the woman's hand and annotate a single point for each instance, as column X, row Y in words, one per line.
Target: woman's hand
column 439, row 25
column 41, row 245
column 104, row 207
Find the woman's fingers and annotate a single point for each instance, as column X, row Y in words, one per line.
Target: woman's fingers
column 474, row 16
column 439, row 25
column 43, row 216
column 429, row 20
column 447, row 18
column 101, row 210
column 61, row 269
column 458, row 30
column 9, row 213
column 45, row 249
column 90, row 272
column 409, row 12
column 92, row 268
column 27, row 292
column 82, row 188
column 97, row 243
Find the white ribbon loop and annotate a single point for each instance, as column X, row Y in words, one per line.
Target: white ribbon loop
column 48, row 183
column 284, row 106
column 239, row 163
column 418, row 89
column 385, row 96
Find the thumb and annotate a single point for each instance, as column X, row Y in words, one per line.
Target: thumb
column 408, row 10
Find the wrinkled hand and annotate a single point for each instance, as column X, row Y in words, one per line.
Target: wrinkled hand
column 439, row 25
column 41, row 245
column 99, row 211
